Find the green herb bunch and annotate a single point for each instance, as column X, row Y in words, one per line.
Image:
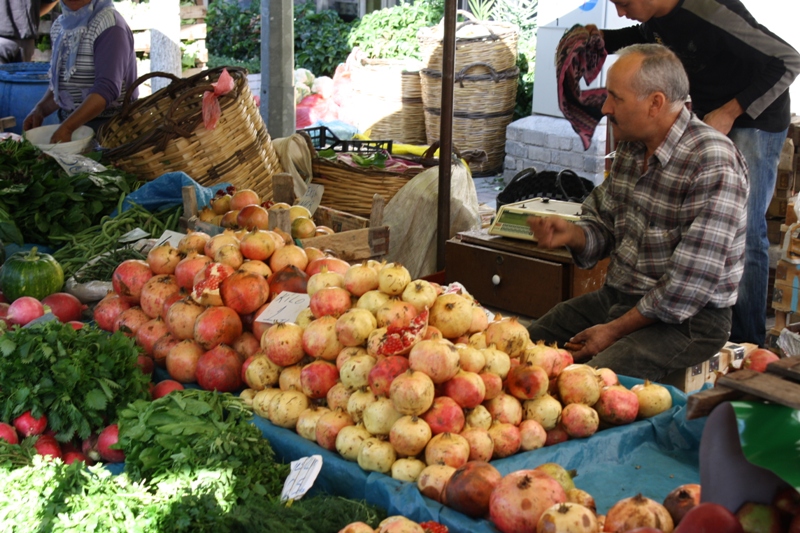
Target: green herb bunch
column 320, row 39
column 77, row 378
column 40, row 202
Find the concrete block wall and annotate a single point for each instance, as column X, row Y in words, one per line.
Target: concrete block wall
column 550, row 143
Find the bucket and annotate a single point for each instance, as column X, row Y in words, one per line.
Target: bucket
column 22, row 85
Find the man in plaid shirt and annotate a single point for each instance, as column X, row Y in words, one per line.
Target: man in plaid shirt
column 671, row 216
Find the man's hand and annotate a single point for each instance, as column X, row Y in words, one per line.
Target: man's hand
column 555, row 232
column 721, row 119
column 592, row 341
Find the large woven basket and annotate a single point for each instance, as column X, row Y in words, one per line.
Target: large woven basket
column 476, row 41
column 389, row 97
column 483, row 107
column 164, row 132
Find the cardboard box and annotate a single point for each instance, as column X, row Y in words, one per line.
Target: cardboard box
column 791, row 216
column 731, row 355
column 785, row 180
column 774, row 230
column 785, row 297
column 777, row 207
column 689, row 379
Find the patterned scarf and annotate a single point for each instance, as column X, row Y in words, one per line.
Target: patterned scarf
column 580, row 55
column 67, row 42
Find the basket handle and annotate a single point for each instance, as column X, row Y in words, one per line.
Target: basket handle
column 521, row 175
column 560, row 185
column 462, row 74
column 471, row 20
column 126, row 104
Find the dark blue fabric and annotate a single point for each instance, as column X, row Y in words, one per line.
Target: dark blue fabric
column 165, row 191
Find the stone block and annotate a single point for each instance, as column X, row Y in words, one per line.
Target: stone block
column 539, row 155
column 510, row 163
column 515, row 148
column 554, row 141
column 534, row 137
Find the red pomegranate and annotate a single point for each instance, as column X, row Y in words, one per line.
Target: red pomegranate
column 182, row 359
column 317, row 378
column 385, row 370
column 217, row 325
column 330, row 301
column 149, row 333
column 129, row 278
column 289, row 278
column 220, row 369
column 527, row 381
column 162, row 347
column 257, row 245
column 181, row 317
column 130, row 320
column 333, row 264
column 244, row 292
column 519, row 499
column 444, row 416
column 469, row 488
column 108, row 309
column 155, row 292
column 187, row 269
column 758, row 359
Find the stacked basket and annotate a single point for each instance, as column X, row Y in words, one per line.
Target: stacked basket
column 485, row 89
column 164, row 132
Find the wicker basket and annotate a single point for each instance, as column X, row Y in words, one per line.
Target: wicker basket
column 164, row 132
column 476, row 41
column 389, row 97
column 483, row 106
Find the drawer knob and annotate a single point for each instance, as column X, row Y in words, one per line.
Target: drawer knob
column 496, row 279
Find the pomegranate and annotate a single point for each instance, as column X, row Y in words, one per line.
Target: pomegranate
column 149, row 333
column 65, row 306
column 582, row 497
column 393, row 278
column 480, row 321
column 283, row 343
column 8, row 433
column 162, row 347
column 433, row 480
column 319, row 339
column 73, row 456
column 653, row 398
column 506, row 439
column 379, row 416
column 383, row 373
column 578, row 384
column 532, row 435
column 508, row 335
column 637, row 511
column 330, row 301
column 607, row 376
column 505, row 408
column 447, row 448
column 520, row 498
column 546, row 357
column 560, row 474
column 409, row 436
column 376, row 455
column 527, row 381
column 304, row 318
column 481, row 445
column 478, row 340
column 359, row 279
column 219, row 369
column 328, row 427
column 313, row 254
column 758, row 359
column 680, row 500
column 129, row 321
column 394, row 341
column 129, row 278
column 395, row 314
column 244, row 292
column 759, row 517
column 261, row 401
column 452, row 315
column 420, row 294
column 182, row 359
column 372, row 300
column 205, row 290
column 244, row 197
column 164, row 387
column 217, row 325
column 492, row 384
column 349, row 441
column 469, row 488
column 317, row 378
column 354, row 372
column 437, row 358
column 338, row 396
column 246, row 344
column 407, row 469
column 579, row 420
column 568, row 518
column 466, row 388
column 354, row 326
column 333, row 264
column 181, row 317
column 252, row 217
column 256, row 267
column 288, row 255
column 412, row 392
column 188, row 268
column 194, row 241
column 445, row 416
column 470, row 359
column 163, row 258
column 480, row 417
column 218, row 241
column 307, row 421
column 289, row 378
column 617, row 405
column 27, row 425
column 787, row 500
column 497, row 361
column 323, row 279
column 105, row 440
column 709, row 517
column 358, row 401
column 556, row 435
column 401, row 524
column 155, row 292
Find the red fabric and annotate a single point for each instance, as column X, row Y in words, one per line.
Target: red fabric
column 211, row 107
column 314, row 108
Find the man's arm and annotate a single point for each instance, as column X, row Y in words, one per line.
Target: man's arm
column 594, row 340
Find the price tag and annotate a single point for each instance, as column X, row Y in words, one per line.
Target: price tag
column 312, row 198
column 134, row 235
column 284, row 308
column 172, row 237
column 301, row 478
column 75, row 163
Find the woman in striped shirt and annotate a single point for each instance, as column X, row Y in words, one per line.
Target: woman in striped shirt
column 92, row 66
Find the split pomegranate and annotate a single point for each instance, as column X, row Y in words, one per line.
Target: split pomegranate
column 188, row 268
column 205, row 290
column 391, row 341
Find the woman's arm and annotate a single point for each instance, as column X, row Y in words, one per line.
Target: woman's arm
column 43, row 109
column 89, row 109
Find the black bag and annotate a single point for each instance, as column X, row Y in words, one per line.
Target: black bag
column 565, row 186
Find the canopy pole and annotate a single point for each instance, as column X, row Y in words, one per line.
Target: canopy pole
column 446, row 130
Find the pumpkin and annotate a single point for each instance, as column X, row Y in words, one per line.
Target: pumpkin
column 30, row 274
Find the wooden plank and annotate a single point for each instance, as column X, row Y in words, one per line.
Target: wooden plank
column 198, row 225
column 355, row 245
column 189, row 206
column 7, row 123
column 517, row 246
column 701, row 403
column 788, row 367
column 376, row 214
column 339, row 221
column 193, row 12
column 193, row 32
column 283, row 188
column 280, row 218
column 766, row 386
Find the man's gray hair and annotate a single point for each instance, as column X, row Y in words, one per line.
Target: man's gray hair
column 661, row 70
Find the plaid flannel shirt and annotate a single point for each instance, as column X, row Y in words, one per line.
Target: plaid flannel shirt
column 675, row 234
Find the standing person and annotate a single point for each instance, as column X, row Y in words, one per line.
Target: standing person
column 19, row 28
column 670, row 218
column 93, row 64
column 739, row 78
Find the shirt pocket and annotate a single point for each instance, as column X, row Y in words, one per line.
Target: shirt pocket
column 655, row 250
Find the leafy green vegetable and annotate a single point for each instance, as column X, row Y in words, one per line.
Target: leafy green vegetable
column 77, row 378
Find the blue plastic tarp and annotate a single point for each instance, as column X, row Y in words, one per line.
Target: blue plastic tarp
column 166, row 191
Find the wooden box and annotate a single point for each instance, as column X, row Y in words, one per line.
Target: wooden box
column 689, row 379
column 516, row 275
column 777, row 207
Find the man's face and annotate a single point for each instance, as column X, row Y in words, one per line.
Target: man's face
column 638, row 10
column 628, row 115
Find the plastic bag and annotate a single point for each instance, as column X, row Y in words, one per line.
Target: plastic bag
column 304, row 76
column 166, row 191
column 296, row 159
column 323, row 86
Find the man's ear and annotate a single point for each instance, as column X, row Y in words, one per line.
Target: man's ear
column 658, row 102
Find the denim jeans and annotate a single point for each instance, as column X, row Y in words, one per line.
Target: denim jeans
column 649, row 353
column 762, row 151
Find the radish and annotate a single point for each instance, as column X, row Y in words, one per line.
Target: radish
column 107, row 438
column 65, row 306
column 75, row 324
column 166, row 386
column 8, row 433
column 47, row 445
column 4, row 312
column 24, row 309
column 27, row 425
column 89, row 448
column 71, row 457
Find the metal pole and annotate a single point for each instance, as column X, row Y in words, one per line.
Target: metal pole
column 446, row 130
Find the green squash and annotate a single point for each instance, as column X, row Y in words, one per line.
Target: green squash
column 30, row 274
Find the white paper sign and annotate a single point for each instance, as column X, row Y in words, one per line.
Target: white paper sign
column 301, row 478
column 284, row 308
column 312, row 197
column 172, row 237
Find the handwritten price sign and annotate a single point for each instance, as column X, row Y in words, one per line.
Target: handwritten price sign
column 284, row 308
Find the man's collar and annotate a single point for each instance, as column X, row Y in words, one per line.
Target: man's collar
column 664, row 152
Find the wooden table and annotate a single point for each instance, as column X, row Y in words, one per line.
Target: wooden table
column 516, row 275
